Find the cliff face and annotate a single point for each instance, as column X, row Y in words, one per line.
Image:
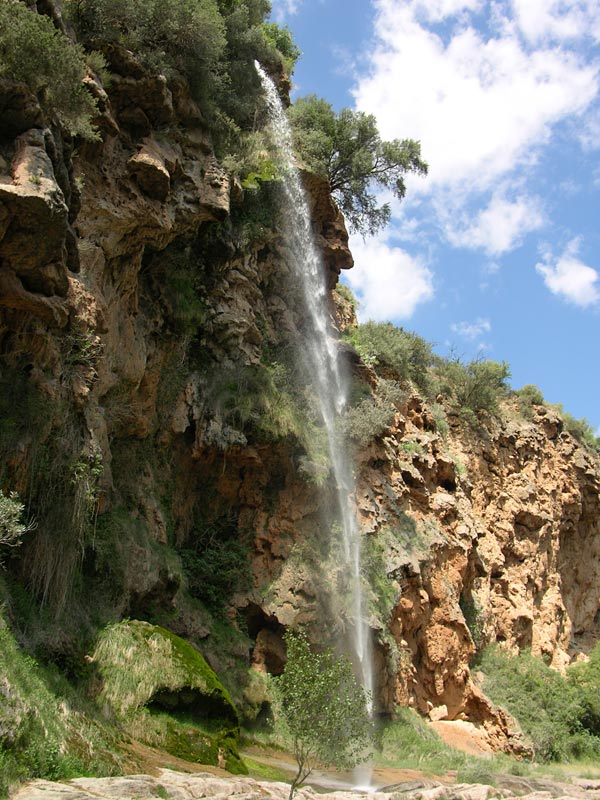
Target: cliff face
column 489, row 536
column 147, row 316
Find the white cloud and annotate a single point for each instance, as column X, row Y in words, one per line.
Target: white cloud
column 480, row 105
column 472, row 330
column 388, row 282
column 484, row 87
column 499, row 227
column 437, row 10
column 570, row 278
column 589, row 133
column 557, row 19
column 283, row 9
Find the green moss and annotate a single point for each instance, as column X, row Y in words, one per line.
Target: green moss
column 188, row 738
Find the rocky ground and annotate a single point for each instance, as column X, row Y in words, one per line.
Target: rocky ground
column 183, row 780
column 182, row 786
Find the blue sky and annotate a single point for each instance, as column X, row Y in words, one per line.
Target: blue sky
column 498, row 250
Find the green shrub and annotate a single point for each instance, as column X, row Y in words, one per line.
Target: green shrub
column 216, row 562
column 12, row 527
column 580, row 429
column 43, row 731
column 476, row 386
column 345, row 292
column 527, row 397
column 281, row 39
column 412, row 448
column 440, row 419
column 211, row 43
column 240, row 88
column 402, row 353
column 410, row 742
column 474, row 618
column 34, row 52
column 367, row 421
column 253, row 163
column 384, row 590
column 586, row 678
column 170, row 36
column 550, row 708
column 266, row 401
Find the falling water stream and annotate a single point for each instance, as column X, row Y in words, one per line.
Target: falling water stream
column 324, row 365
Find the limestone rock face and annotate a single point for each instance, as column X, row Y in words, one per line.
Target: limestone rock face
column 331, row 235
column 485, row 537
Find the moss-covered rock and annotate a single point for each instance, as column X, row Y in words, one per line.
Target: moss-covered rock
column 167, row 694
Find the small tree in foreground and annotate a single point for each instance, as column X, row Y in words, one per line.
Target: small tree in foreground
column 324, row 709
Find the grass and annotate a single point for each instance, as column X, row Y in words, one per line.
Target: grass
column 554, row 712
column 48, row 729
column 262, row 771
column 185, row 736
column 410, row 743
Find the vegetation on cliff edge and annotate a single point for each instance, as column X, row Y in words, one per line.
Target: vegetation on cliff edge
column 33, row 52
column 347, row 149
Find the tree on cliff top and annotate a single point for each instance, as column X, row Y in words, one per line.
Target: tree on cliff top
column 33, row 52
column 324, row 708
column 346, row 149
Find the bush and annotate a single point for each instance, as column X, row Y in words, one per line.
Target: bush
column 404, row 354
column 476, row 386
column 474, row 619
column 253, row 398
column 367, row 421
column 34, row 52
column 43, row 732
column 265, row 401
column 216, row 563
column 580, row 429
column 212, row 43
column 385, row 592
column 410, row 741
column 345, row 292
column 181, row 36
column 12, row 527
column 281, row 39
column 586, row 678
column 551, row 709
column 240, row 88
column 527, row 397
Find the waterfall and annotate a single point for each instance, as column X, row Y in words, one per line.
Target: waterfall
column 324, row 365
